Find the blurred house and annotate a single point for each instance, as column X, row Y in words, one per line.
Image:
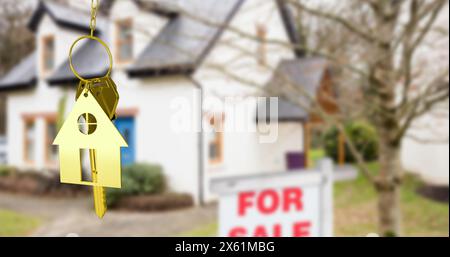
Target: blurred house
column 169, row 61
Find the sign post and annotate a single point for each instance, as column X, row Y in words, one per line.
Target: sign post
column 284, row 204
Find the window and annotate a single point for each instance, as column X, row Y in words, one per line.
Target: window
column 124, row 41
column 48, row 53
column 261, row 34
column 215, row 140
column 30, row 140
column 87, row 123
column 215, row 147
column 51, row 151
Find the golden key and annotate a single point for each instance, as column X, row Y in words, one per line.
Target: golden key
column 105, row 92
column 89, row 126
column 99, row 191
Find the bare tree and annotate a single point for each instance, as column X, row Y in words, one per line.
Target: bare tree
column 385, row 38
column 15, row 42
column 377, row 49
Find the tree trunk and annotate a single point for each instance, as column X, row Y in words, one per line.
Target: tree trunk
column 387, row 122
column 388, row 188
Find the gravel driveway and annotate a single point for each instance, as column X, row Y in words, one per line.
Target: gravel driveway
column 67, row 216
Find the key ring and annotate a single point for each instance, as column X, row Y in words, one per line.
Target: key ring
column 98, row 40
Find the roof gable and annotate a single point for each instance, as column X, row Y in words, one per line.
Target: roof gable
column 304, row 72
column 290, row 25
column 307, row 73
column 87, row 66
column 185, row 40
column 61, row 15
column 105, row 134
column 179, row 47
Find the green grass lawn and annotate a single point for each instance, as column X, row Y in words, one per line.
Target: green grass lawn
column 208, row 230
column 356, row 209
column 15, row 224
column 355, row 212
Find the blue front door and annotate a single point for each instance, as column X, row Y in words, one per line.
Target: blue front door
column 125, row 125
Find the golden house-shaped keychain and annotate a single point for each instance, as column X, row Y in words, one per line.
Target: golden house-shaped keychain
column 88, row 127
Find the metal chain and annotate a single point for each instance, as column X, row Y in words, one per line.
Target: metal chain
column 93, row 22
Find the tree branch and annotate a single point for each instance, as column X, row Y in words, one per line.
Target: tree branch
column 436, row 92
column 340, row 20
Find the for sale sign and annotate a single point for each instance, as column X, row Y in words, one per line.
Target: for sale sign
column 285, row 204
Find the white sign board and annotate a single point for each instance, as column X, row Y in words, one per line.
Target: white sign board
column 284, row 204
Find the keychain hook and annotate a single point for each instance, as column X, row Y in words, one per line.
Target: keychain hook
column 92, row 38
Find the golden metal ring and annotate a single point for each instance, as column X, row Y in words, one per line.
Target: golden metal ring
column 98, row 40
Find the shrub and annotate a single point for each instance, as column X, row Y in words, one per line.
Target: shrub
column 138, row 179
column 362, row 135
column 160, row 202
column 5, row 170
column 33, row 182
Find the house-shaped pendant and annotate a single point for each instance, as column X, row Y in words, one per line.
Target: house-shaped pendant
column 88, row 127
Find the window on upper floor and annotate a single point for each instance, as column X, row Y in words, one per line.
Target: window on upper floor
column 261, row 51
column 124, row 40
column 48, row 53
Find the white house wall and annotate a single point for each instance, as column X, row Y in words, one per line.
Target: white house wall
column 33, row 102
column 244, row 152
column 42, row 99
column 158, row 102
column 430, row 161
column 151, row 100
column 156, row 141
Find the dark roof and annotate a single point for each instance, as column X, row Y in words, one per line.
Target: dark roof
column 185, row 40
column 86, row 61
column 162, row 7
column 305, row 73
column 179, row 47
column 292, row 29
column 23, row 75
column 287, row 111
column 62, row 15
column 90, row 60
